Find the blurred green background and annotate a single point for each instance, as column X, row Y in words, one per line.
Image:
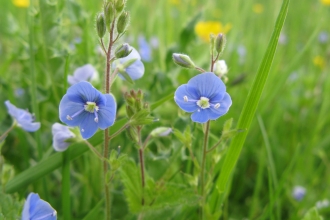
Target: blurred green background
column 289, row 138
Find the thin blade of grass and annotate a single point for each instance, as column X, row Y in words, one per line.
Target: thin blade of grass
column 251, row 103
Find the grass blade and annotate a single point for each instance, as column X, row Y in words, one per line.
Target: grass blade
column 251, row 103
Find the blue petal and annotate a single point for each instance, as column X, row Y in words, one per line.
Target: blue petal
column 67, row 107
column 145, row 50
column 107, row 114
column 83, row 92
column 84, row 73
column 72, row 80
column 59, row 139
column 57, row 127
column 182, row 91
column 207, row 84
column 200, row 116
column 135, row 70
column 88, row 126
column 36, row 208
column 12, row 110
column 29, row 126
column 225, row 104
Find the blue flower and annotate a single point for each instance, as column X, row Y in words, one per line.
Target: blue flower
column 37, row 209
column 144, row 49
column 86, row 107
column 298, row 193
column 205, row 95
column 84, row 73
column 134, row 70
column 61, row 134
column 24, row 118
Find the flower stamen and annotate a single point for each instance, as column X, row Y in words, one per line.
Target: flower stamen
column 216, row 106
column 185, row 98
column 203, row 102
column 96, row 119
column 74, row 115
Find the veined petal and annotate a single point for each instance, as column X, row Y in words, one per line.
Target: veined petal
column 36, row 208
column 67, row 107
column 200, row 116
column 72, row 80
column 88, row 126
column 57, row 127
column 107, row 114
column 207, row 84
column 225, row 104
column 83, row 92
column 180, row 93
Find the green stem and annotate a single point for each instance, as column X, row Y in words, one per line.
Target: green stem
column 66, row 202
column 119, row 131
column 66, row 199
column 2, row 137
column 205, row 144
column 92, row 148
column 106, row 131
column 141, row 158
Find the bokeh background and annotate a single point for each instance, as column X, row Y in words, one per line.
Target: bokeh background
column 289, row 139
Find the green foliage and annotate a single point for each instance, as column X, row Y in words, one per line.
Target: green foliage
column 10, row 206
column 312, row 214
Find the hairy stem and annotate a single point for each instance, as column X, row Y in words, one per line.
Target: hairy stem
column 206, row 139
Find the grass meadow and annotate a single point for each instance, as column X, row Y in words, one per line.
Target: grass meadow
column 287, row 144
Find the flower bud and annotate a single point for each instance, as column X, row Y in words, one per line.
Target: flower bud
column 220, row 68
column 129, row 111
column 183, row 60
column 132, row 134
column 139, row 94
column 161, row 132
column 138, row 104
column 100, row 25
column 108, row 13
column 122, row 22
column 129, row 99
column 220, row 43
column 119, row 5
column 123, row 51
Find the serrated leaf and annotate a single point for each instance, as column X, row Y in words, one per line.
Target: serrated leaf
column 10, row 206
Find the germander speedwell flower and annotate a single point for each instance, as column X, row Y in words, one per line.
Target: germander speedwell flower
column 83, row 73
column 24, row 118
column 86, row 107
column 37, row 209
column 205, row 95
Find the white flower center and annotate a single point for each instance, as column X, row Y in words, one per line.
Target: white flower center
column 91, row 107
column 203, row 102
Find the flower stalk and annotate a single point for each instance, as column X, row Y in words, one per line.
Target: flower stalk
column 205, row 144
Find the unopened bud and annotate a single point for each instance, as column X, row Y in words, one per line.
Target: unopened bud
column 129, row 111
column 161, row 132
column 220, row 68
column 123, row 51
column 220, row 43
column 119, row 5
column 122, row 22
column 183, row 60
column 108, row 13
column 132, row 134
column 138, row 104
column 100, row 25
column 139, row 94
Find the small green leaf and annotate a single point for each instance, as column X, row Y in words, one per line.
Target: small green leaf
column 312, row 214
column 127, row 77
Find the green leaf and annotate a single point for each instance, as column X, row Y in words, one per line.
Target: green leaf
column 127, row 77
column 10, row 206
column 312, row 214
column 251, row 102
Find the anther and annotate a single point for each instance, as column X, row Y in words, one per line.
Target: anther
column 185, row 98
column 216, row 106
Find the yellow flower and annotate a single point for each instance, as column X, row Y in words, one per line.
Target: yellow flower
column 258, row 8
column 319, row 61
column 325, row 2
column 175, row 2
column 204, row 29
column 21, row 3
